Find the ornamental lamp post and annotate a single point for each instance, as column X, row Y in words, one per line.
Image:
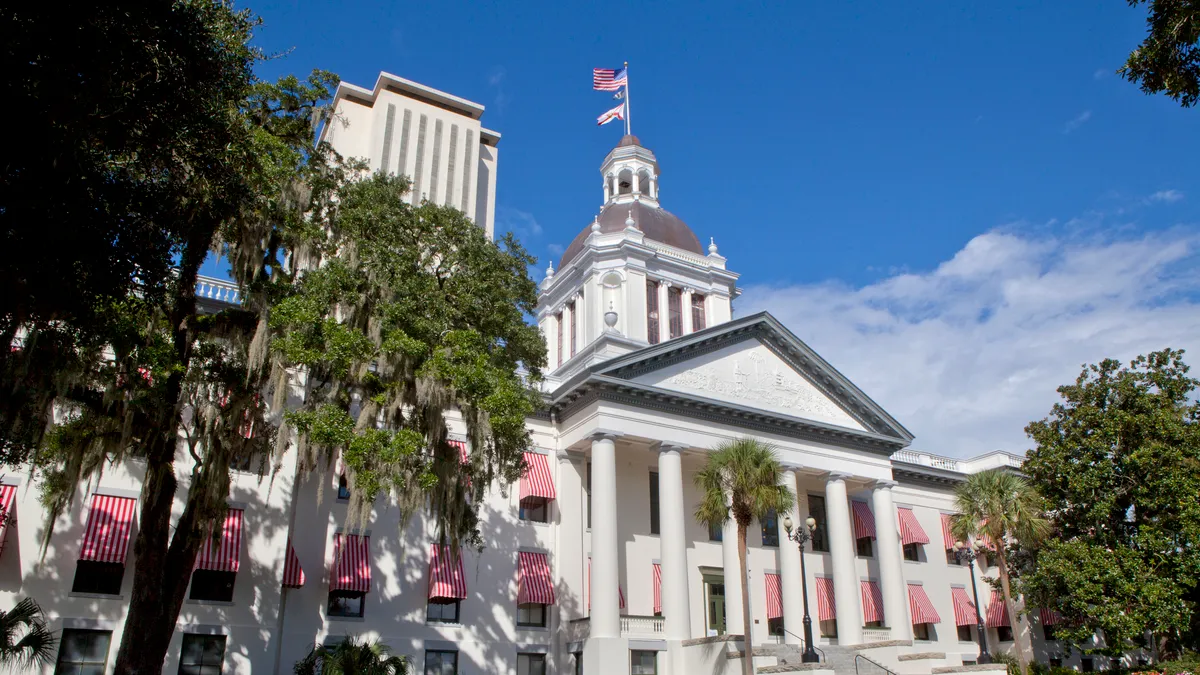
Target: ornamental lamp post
column 967, row 554
column 801, row 537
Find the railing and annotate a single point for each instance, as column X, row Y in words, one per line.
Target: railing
column 218, row 289
column 649, row 626
column 820, row 652
column 873, row 667
column 672, row 252
column 876, row 635
column 926, row 459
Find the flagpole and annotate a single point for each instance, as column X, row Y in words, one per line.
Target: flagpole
column 628, row 126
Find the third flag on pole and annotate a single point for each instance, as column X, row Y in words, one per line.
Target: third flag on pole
column 617, row 113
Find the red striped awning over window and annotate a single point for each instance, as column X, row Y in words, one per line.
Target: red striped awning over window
column 462, row 451
column 864, row 520
column 774, row 597
column 447, row 581
column 293, row 574
column 920, row 606
column 911, row 531
column 826, row 608
column 657, row 588
column 997, row 613
column 964, row 608
column 1050, row 617
column 872, row 601
column 620, row 591
column 351, row 563
column 8, row 495
column 223, row 554
column 947, row 532
column 537, row 480
column 534, row 582
column 109, row 523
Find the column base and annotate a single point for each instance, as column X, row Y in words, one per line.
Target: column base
column 606, row 655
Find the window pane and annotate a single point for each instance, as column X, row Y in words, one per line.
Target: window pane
column 98, row 577
column 816, row 511
column 652, row 312
column 642, row 662
column 715, row 533
column 653, row 502
column 212, row 585
column 770, row 529
column 83, row 651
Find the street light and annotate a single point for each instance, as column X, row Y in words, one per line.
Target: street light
column 967, row 554
column 800, row 537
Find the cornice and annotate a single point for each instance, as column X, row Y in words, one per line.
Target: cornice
column 916, row 474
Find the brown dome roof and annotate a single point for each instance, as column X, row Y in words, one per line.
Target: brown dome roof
column 629, row 139
column 656, row 223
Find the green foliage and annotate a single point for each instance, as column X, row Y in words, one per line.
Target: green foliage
column 746, row 471
column 1118, row 462
column 403, row 314
column 1168, row 60
column 352, row 657
column 25, row 641
column 1187, row 663
column 1037, row 668
column 1014, row 664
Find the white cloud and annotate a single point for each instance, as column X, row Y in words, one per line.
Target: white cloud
column 1077, row 122
column 1165, row 196
column 969, row 353
column 1100, row 74
column 496, row 82
column 520, row 223
column 555, row 249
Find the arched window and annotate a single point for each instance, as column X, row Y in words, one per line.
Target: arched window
column 643, row 182
column 625, row 182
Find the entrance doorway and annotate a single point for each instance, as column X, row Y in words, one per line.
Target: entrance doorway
column 714, row 604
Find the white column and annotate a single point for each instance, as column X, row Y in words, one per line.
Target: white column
column 654, row 186
column 664, row 311
column 606, row 617
column 612, row 190
column 733, row 580
column 846, row 586
column 891, row 567
column 567, row 315
column 677, row 612
column 636, row 183
column 685, row 308
column 790, row 578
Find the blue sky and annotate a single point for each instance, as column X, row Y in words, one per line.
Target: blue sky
column 956, row 206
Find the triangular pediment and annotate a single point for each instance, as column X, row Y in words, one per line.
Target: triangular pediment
column 755, row 363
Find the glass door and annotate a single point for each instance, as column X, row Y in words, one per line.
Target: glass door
column 715, row 607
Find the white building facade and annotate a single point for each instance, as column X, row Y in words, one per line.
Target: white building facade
column 594, row 563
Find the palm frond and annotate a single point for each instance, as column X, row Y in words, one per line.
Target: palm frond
column 27, row 642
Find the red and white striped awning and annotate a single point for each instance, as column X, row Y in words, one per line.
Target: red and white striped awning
column 351, row 563
column 534, row 582
column 620, row 591
column 920, row 606
column 657, row 588
column 911, row 531
column 774, row 597
column 462, row 451
column 872, row 601
column 964, row 608
column 1050, row 617
column 997, row 613
column 109, row 523
column 8, row 494
column 293, row 574
column 864, row 520
column 223, row 554
column 826, row 607
column 947, row 532
column 447, row 581
column 537, row 480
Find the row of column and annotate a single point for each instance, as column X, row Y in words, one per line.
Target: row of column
column 664, row 310
column 605, row 611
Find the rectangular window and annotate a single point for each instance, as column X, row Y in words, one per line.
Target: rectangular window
column 951, row 557
column 642, row 662
column 1004, row 633
column 829, row 628
column 675, row 311
column 531, row 615
column 872, row 624
column 1048, row 633
column 98, row 577
column 578, row 663
column 201, row 654
column 534, row 509
column 531, row 664
column 441, row 662
column 697, row 312
column 922, row 631
column 1088, row 664
column 816, row 511
column 912, row 552
column 83, row 651
column 574, row 325
column 770, row 529
column 1056, row 661
column 865, row 548
column 343, row 488
column 775, row 626
column 442, row 611
column 964, row 634
column 652, row 312
column 346, row 603
column 558, row 319
column 716, row 533
column 653, row 502
column 212, row 585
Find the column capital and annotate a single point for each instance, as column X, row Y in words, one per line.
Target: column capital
column 569, row 455
column 837, row 476
column 668, row 446
column 884, row 484
column 605, row 435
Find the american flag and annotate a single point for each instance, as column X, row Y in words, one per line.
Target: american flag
column 607, row 79
column 617, row 113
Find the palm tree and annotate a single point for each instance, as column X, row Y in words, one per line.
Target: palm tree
column 1003, row 507
column 351, row 657
column 26, row 640
column 741, row 481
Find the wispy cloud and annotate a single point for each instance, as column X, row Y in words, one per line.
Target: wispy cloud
column 1078, row 121
column 1165, row 197
column 521, row 223
column 496, row 81
column 555, row 249
column 1100, row 74
column 966, row 354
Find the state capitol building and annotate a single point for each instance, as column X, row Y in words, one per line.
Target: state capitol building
column 594, row 563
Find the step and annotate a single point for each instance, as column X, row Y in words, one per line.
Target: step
column 795, row 668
